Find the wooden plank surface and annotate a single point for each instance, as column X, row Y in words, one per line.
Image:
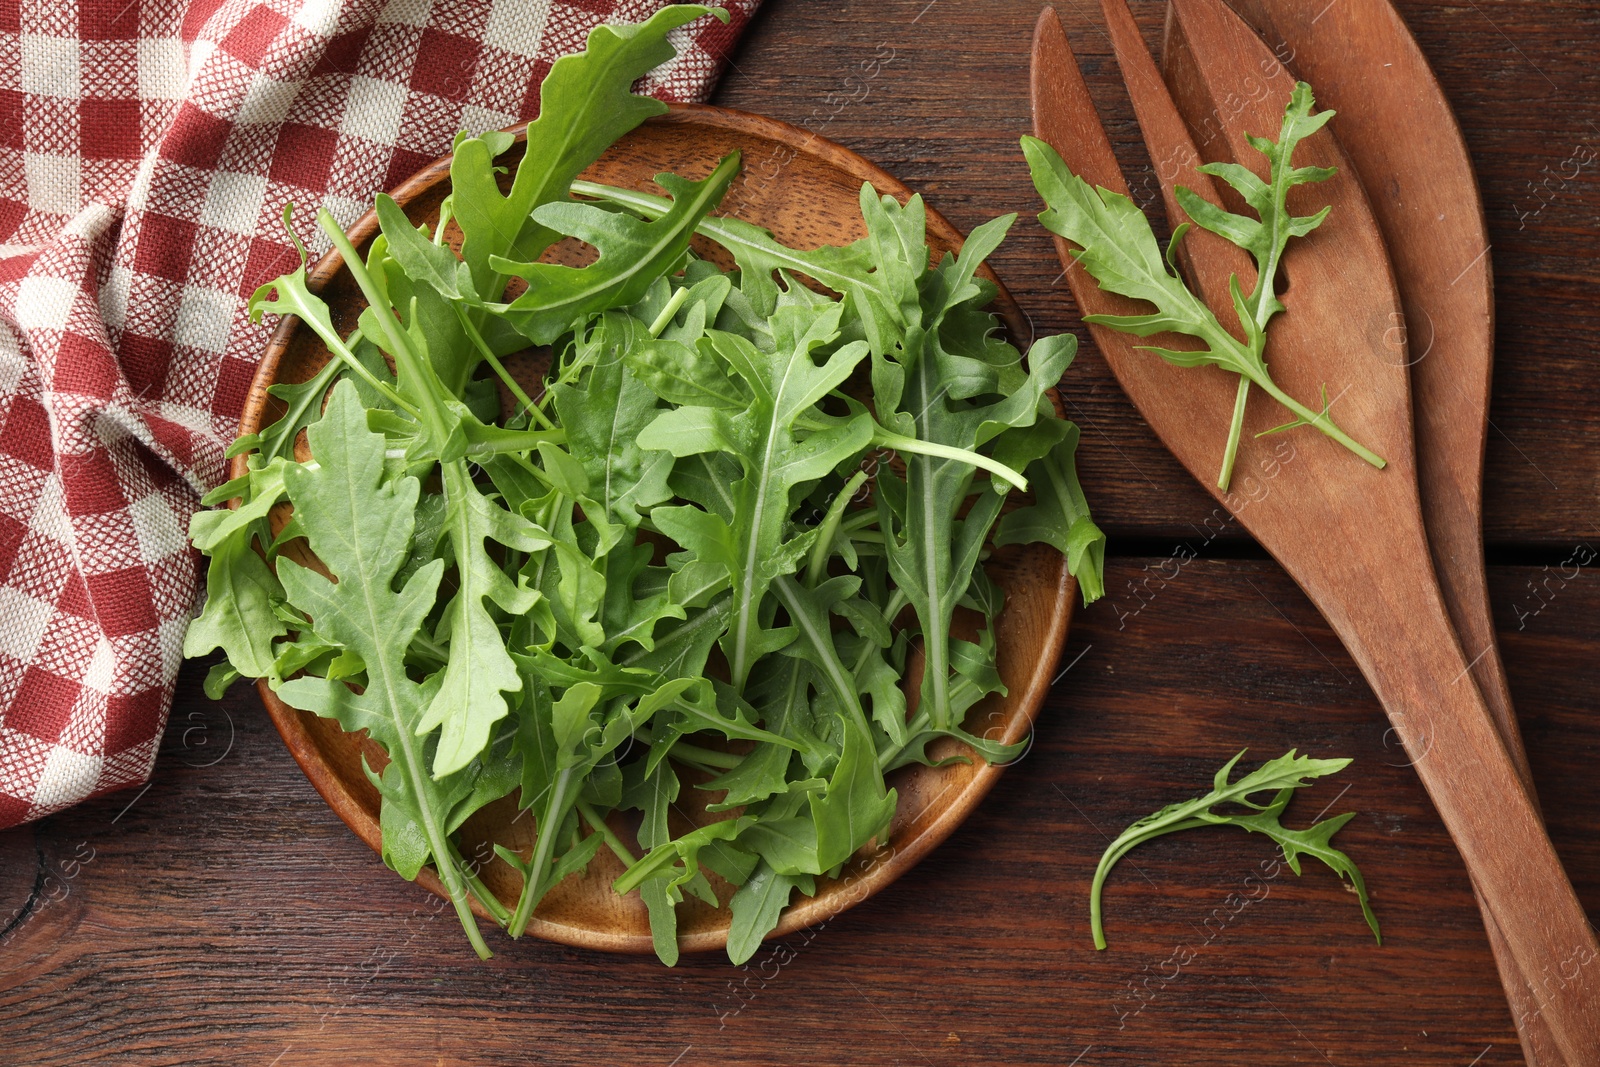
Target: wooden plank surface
column 225, row 916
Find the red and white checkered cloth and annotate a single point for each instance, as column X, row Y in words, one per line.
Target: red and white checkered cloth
column 146, row 150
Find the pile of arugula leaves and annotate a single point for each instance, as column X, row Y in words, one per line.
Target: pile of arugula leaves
column 666, row 580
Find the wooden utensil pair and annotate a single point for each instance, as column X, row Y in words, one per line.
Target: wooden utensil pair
column 1356, row 539
column 1398, row 130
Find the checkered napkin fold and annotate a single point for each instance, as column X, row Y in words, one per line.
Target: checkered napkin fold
column 147, row 148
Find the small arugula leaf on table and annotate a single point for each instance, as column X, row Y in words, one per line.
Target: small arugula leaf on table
column 1283, row 776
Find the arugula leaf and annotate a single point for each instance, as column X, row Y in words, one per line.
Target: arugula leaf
column 911, row 389
column 1283, row 775
column 258, row 490
column 852, row 809
column 662, row 791
column 638, row 597
column 633, row 254
column 290, row 294
column 584, row 727
column 480, row 670
column 238, row 616
column 775, row 456
column 585, row 104
column 758, row 905
column 1059, row 516
column 1119, row 250
column 764, row 262
column 1267, row 237
column 359, row 522
column 468, row 700
column 604, row 413
column 302, row 403
column 782, row 696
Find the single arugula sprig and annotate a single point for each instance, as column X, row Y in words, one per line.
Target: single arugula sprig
column 1284, row 774
column 585, row 103
column 1119, row 250
column 1267, row 237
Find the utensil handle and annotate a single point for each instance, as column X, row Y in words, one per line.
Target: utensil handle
column 1409, row 654
column 1539, row 1045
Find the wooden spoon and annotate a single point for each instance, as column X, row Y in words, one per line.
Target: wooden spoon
column 1353, row 537
column 1400, row 134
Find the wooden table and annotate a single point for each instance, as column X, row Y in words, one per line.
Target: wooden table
column 223, row 915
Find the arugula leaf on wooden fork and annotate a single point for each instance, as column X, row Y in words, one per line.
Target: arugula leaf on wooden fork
column 1119, row 250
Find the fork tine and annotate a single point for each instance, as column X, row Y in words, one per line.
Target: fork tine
column 1215, row 53
column 1207, row 258
column 1064, row 117
column 1063, row 114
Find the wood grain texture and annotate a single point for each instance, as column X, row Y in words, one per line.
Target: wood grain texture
column 214, row 924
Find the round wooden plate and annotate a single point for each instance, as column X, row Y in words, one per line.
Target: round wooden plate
column 805, row 190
